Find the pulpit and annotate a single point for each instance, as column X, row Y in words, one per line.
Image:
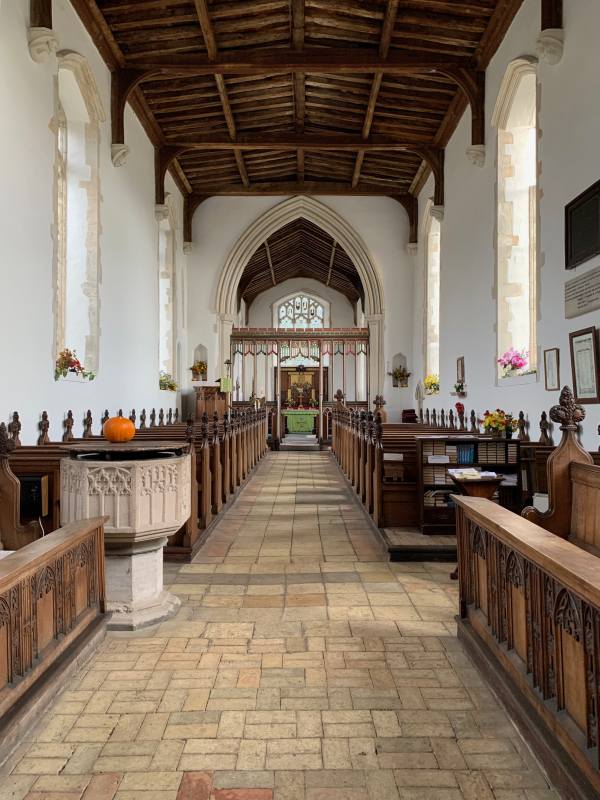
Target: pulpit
column 210, row 398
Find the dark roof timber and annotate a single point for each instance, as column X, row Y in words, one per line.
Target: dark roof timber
column 288, row 96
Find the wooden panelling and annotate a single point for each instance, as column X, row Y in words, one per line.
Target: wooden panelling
column 51, row 592
column 540, row 625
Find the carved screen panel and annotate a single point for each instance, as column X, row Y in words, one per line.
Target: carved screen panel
column 573, row 677
column 4, row 654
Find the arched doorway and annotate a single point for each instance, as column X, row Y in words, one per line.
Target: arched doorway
column 319, row 214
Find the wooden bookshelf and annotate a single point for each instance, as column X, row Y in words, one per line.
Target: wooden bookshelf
column 435, row 486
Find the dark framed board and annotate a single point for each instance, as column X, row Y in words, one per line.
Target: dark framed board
column 582, row 227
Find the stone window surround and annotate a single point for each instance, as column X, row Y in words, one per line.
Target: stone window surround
column 166, row 217
column 77, row 64
column 515, row 71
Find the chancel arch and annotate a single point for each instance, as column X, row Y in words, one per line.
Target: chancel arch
column 366, row 287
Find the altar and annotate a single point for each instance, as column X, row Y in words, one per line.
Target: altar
column 299, row 420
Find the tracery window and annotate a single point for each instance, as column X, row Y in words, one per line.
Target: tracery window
column 301, row 311
column 515, row 117
column 77, row 208
column 432, row 292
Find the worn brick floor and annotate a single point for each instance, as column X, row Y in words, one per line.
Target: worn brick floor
column 301, row 666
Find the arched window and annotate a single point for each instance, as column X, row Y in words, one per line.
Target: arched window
column 166, row 288
column 432, row 294
column 301, row 311
column 77, row 208
column 515, row 117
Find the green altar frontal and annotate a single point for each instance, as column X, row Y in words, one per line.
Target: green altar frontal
column 299, row 420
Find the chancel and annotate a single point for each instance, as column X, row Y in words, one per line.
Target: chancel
column 300, row 409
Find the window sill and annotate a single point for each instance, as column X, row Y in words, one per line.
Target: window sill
column 74, row 379
column 517, row 380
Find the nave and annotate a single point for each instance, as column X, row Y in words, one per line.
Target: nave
column 302, row 665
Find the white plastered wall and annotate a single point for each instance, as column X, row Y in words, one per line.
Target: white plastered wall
column 128, row 357
column 569, row 162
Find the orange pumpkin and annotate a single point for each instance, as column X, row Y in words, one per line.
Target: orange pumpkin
column 118, row 429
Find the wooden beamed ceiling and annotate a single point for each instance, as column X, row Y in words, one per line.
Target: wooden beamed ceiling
column 284, row 96
column 300, row 249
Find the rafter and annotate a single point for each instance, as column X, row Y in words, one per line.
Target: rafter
column 210, row 43
column 389, row 20
column 270, row 260
column 297, row 13
column 286, row 141
column 274, row 188
column 331, row 260
column 271, row 62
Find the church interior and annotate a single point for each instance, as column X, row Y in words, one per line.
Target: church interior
column 328, row 527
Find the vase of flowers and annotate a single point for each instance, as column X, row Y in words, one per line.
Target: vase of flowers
column 514, row 362
column 499, row 424
column 199, row 369
column 68, row 363
column 460, row 389
column 400, row 376
column 432, row 384
column 167, row 382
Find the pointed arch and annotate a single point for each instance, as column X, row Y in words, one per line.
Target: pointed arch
column 302, row 206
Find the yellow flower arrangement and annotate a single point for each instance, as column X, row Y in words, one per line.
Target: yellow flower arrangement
column 432, row 384
column 499, row 420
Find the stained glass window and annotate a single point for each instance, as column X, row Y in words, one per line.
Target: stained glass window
column 301, row 311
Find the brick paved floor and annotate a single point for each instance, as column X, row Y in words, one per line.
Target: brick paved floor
column 301, row 666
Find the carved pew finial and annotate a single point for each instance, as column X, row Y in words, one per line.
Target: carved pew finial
column 14, row 429
column 567, row 413
column 522, row 427
column 87, row 425
column 44, row 426
column 558, row 517
column 6, row 443
column 545, row 437
column 68, row 426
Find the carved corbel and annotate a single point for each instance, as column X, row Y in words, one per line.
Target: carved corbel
column 190, row 204
column 123, row 82
column 40, row 36
column 435, row 160
column 163, row 158
column 437, row 211
column 410, row 203
column 188, row 248
column 550, row 42
column 472, row 83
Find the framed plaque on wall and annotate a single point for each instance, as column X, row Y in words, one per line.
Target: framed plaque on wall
column 582, row 227
column 584, row 364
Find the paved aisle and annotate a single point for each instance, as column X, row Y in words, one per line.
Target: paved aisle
column 302, row 666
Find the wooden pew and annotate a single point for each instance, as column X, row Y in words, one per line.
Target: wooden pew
column 530, row 609
column 51, row 606
column 13, row 535
column 225, row 450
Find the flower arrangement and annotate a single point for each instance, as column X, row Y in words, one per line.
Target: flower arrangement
column 167, row 381
column 400, row 376
column 460, row 388
column 198, row 368
column 498, row 421
column 66, row 362
column 432, row 384
column 460, row 409
column 514, row 362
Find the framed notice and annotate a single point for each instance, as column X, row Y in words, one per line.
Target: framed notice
column 552, row 369
column 584, row 364
column 582, row 227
